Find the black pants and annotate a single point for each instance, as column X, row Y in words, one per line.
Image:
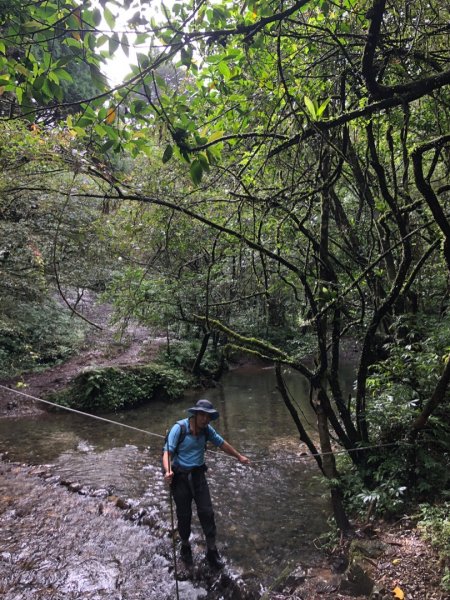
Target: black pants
column 194, row 486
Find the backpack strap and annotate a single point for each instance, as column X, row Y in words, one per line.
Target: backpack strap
column 181, row 435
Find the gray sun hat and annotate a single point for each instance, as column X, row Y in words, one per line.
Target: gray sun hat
column 206, row 407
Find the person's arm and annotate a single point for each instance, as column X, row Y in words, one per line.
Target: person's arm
column 167, row 466
column 228, row 448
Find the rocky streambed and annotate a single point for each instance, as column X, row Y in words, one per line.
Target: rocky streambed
column 62, row 541
column 59, row 541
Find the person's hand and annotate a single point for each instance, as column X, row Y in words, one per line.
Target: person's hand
column 168, row 476
column 243, row 459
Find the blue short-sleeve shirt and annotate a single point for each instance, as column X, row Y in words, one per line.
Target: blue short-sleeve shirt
column 191, row 451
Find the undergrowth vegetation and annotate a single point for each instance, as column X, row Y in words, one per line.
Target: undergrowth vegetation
column 183, row 353
column 36, row 335
column 111, row 389
column 402, row 472
column 434, row 522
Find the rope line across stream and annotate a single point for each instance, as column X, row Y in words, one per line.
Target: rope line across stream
column 158, row 435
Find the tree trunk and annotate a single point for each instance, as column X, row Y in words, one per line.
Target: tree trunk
column 436, row 399
column 201, row 353
column 330, row 471
column 304, row 437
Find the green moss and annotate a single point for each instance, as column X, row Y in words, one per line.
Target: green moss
column 119, row 388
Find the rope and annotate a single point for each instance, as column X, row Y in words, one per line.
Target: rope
column 334, row 452
column 84, row 414
column 151, row 433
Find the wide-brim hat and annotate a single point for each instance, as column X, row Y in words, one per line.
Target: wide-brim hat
column 206, row 407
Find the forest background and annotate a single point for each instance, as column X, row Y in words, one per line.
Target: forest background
column 269, row 178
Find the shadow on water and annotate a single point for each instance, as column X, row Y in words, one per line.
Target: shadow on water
column 268, row 515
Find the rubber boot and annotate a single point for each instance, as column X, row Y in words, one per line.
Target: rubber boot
column 213, row 558
column 186, row 554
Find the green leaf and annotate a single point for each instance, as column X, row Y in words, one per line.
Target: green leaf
column 73, row 23
column 137, row 107
column 23, row 70
column 63, row 61
column 98, row 78
column 203, row 158
column 83, row 122
column 214, row 59
column 91, row 41
column 322, row 107
column 111, row 132
column 80, row 131
column 19, row 95
column 114, row 43
column 102, row 40
column 168, row 153
column 96, row 17
column 46, row 88
column 185, row 155
column 141, row 38
column 56, row 90
column 196, row 171
column 99, row 130
column 143, row 60
column 160, row 81
column 45, row 12
column 310, row 106
column 224, row 70
column 31, row 26
column 125, row 44
column 186, row 56
column 63, row 74
column 52, row 76
column 38, row 82
column 109, row 17
column 72, row 42
column 215, row 136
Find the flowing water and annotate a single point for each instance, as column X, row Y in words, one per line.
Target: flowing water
column 268, row 515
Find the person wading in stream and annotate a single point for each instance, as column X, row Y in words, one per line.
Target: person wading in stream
column 184, row 469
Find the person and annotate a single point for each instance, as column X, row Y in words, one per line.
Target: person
column 184, row 470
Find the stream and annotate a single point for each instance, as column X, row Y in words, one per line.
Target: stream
column 269, row 515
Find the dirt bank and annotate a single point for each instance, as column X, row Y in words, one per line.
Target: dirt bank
column 103, row 347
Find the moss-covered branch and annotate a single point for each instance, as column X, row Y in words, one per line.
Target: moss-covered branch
column 258, row 347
